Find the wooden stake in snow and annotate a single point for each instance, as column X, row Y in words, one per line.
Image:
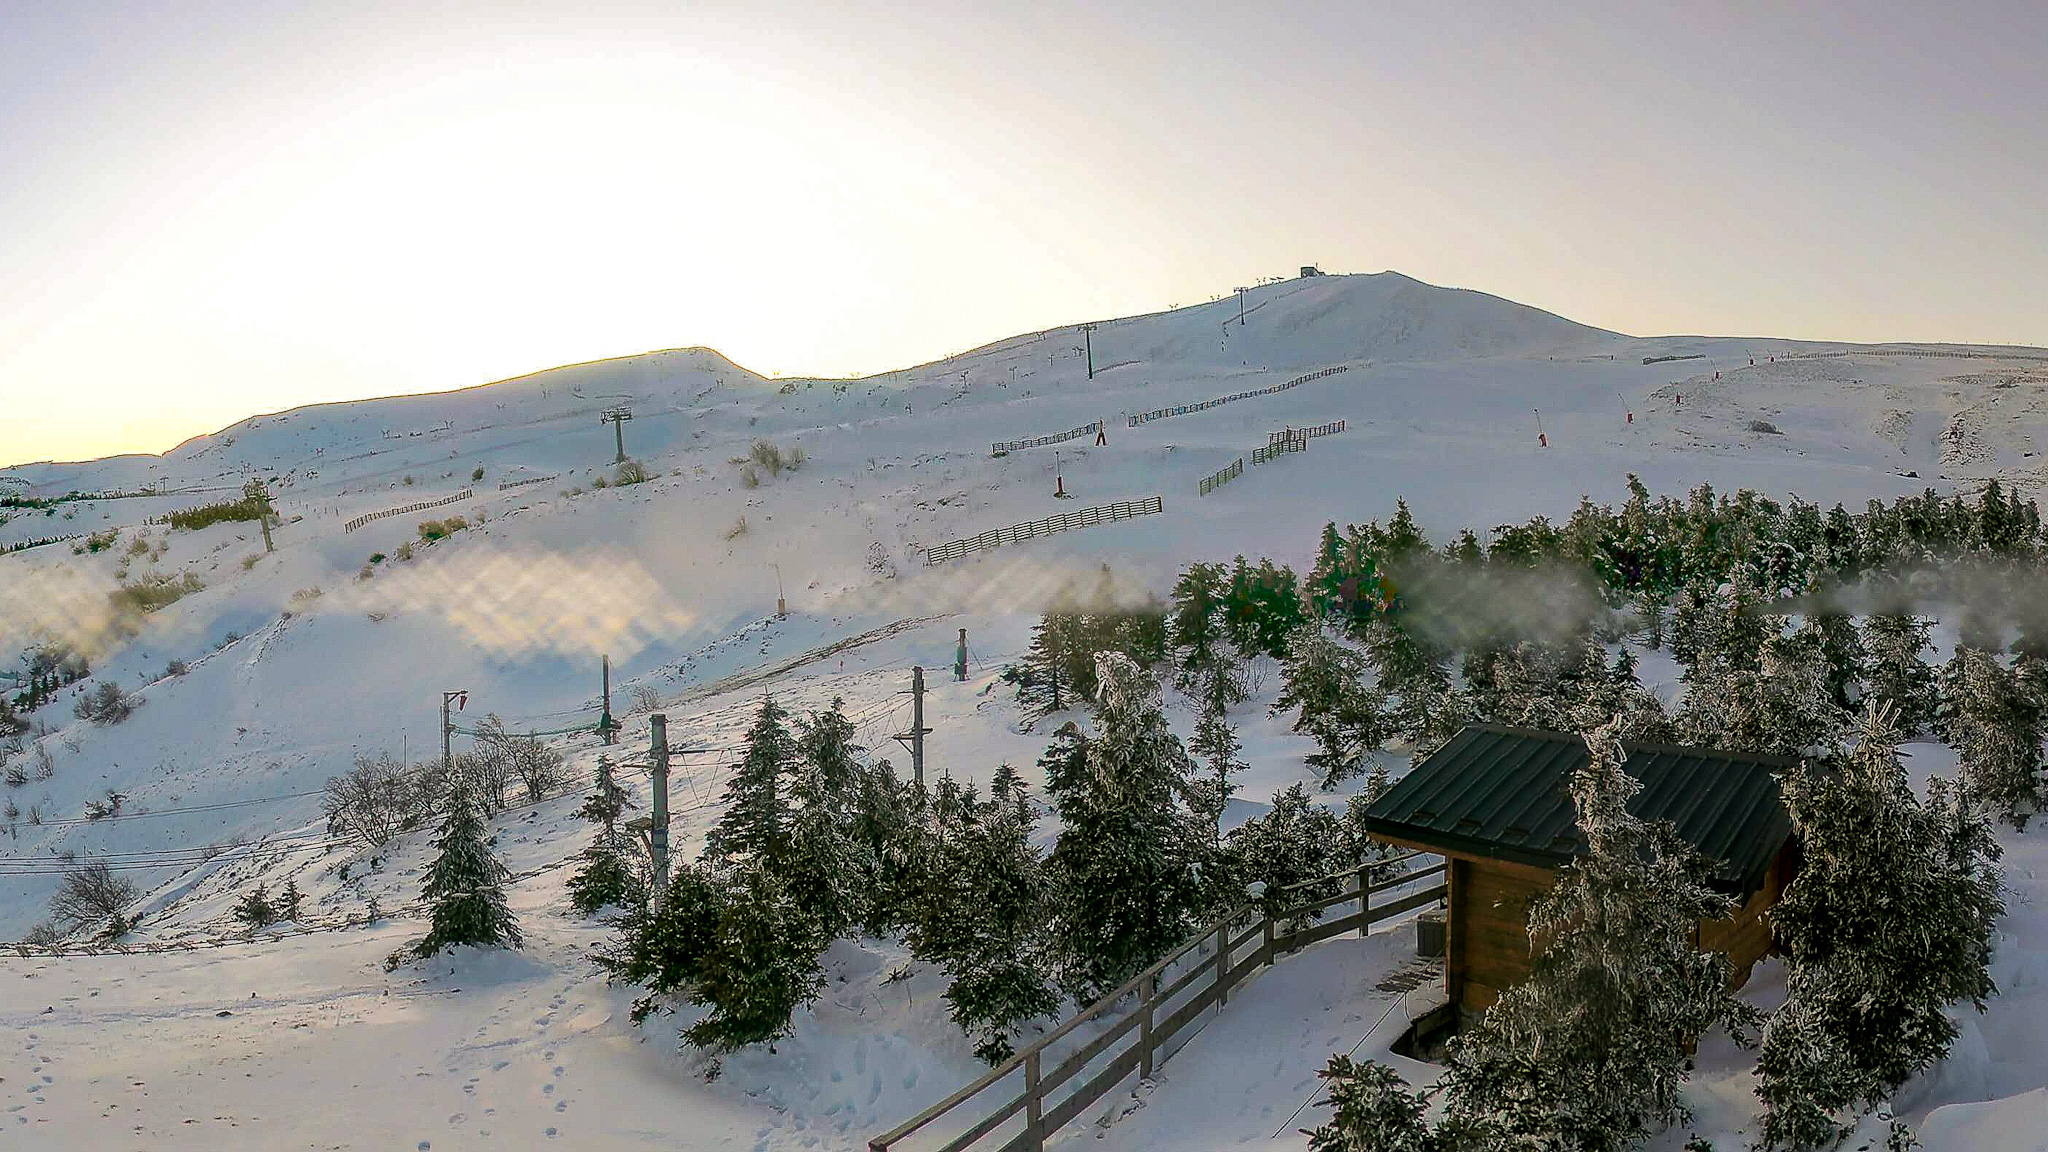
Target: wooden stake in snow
column 1542, row 439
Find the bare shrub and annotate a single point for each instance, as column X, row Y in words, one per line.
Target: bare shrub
column 738, row 529
column 750, row 477
column 44, row 935
column 768, row 455
column 503, row 757
column 645, row 699
column 90, row 894
column 1765, row 427
column 176, row 668
column 794, row 458
column 630, row 472
column 373, row 801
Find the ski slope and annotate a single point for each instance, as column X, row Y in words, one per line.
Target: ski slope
column 1441, row 399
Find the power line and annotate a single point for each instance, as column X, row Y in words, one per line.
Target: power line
column 70, row 822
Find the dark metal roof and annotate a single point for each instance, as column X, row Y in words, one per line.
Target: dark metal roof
column 1501, row 793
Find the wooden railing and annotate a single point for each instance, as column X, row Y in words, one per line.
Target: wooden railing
column 1020, row 1103
column 1066, row 521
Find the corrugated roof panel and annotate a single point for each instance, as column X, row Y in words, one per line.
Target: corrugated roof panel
column 1504, row 792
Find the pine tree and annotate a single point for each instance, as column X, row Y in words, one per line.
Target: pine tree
column 1896, row 675
column 1204, row 669
column 983, row 919
column 1325, row 681
column 822, row 868
column 755, row 825
column 1215, row 745
column 1997, row 724
column 1292, row 843
column 1863, row 1013
column 607, row 876
column 465, row 884
column 1124, row 871
column 288, row 901
column 733, row 942
column 255, row 909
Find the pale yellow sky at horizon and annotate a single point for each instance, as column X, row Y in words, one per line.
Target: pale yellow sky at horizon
column 236, row 210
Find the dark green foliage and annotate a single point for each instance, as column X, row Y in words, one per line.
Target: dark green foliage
column 734, row 943
column 1059, row 670
column 981, row 914
column 755, row 826
column 288, row 900
column 256, row 909
column 607, row 877
column 1375, row 1112
column 1345, row 715
column 207, row 515
column 1294, row 842
column 1996, row 721
column 1215, row 746
column 1894, row 672
column 1124, row 872
column 465, row 884
column 1203, row 666
column 1887, row 924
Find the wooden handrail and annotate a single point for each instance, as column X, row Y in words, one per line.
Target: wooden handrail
column 1040, row 1082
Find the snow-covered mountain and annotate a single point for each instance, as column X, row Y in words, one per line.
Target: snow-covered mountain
column 336, row 645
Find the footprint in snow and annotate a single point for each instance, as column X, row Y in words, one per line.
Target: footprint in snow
column 559, row 1069
column 561, row 1105
column 457, row 1119
column 551, row 1133
column 547, row 1089
column 501, row 1065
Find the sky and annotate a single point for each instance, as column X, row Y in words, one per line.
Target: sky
column 210, row 209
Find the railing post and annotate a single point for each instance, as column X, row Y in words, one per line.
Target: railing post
column 1267, row 948
column 1364, row 902
column 1145, row 1030
column 1223, row 963
column 1033, row 1113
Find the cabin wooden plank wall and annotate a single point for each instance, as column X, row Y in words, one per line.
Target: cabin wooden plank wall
column 1488, row 945
column 1745, row 937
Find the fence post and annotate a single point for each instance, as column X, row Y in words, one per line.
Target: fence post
column 1223, row 963
column 1145, row 1030
column 1364, row 904
column 1033, row 1111
column 1267, row 948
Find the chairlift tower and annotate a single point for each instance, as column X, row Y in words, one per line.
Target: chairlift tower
column 617, row 417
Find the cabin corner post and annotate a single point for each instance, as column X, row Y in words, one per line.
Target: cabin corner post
column 1362, row 879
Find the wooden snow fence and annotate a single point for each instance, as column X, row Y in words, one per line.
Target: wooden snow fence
column 1002, row 446
column 1163, row 413
column 422, row 506
column 523, row 483
column 1025, row 1100
column 1211, row 483
column 1067, row 521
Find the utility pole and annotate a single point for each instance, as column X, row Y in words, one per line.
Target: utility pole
column 960, row 659
column 914, row 739
column 1240, row 305
column 1088, row 343
column 781, row 605
column 657, row 831
column 460, row 698
column 617, row 418
column 607, row 726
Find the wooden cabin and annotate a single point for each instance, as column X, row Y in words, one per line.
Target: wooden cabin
column 1494, row 802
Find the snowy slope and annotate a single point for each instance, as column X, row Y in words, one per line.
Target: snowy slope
column 1441, row 398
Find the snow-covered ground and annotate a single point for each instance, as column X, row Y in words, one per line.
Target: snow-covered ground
column 1442, row 398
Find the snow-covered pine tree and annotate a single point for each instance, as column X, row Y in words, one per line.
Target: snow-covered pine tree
column 884, row 825
column 1124, row 868
column 755, row 825
column 1204, row 668
column 1324, row 680
column 465, row 884
column 1589, row 1052
column 822, row 870
column 1997, row 724
column 984, row 918
column 1863, row 1014
column 1410, row 667
column 1895, row 674
column 1291, row 843
column 288, row 900
column 1847, row 657
column 607, row 875
column 732, row 941
column 255, row 909
column 1276, row 600
column 1215, row 746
